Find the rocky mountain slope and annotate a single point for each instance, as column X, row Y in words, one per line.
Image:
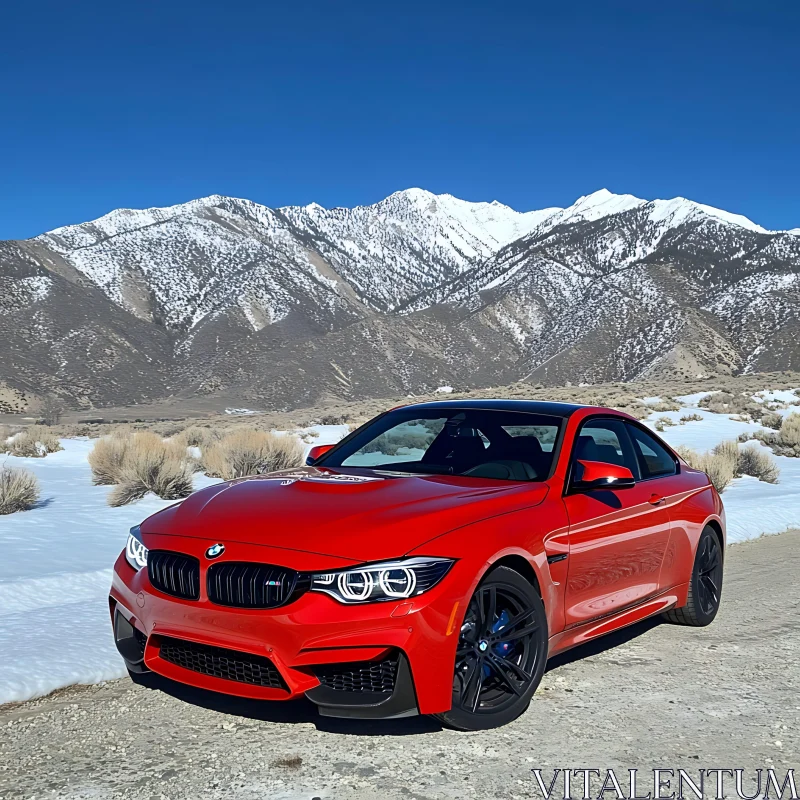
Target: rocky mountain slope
column 284, row 306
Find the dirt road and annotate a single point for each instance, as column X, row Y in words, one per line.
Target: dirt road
column 655, row 696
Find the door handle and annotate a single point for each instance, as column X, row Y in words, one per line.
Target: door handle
column 656, row 499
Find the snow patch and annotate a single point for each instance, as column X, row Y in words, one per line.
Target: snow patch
column 752, row 507
column 790, row 396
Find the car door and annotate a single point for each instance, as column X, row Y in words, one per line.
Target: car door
column 661, row 474
column 617, row 537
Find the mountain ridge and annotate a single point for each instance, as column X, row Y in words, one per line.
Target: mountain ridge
column 417, row 290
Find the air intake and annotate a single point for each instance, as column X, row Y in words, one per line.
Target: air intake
column 218, row 662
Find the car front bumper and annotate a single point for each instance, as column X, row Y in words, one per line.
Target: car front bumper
column 333, row 653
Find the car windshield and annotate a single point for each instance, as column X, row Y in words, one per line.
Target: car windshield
column 479, row 443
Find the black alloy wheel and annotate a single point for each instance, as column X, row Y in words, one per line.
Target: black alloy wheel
column 501, row 653
column 705, row 587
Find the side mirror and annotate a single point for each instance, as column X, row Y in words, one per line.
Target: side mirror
column 600, row 475
column 317, row 452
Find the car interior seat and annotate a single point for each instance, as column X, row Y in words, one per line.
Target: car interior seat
column 519, row 458
column 589, row 450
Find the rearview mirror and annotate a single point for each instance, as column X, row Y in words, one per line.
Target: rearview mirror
column 600, row 475
column 317, row 452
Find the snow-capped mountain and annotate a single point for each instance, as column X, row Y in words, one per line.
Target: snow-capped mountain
column 217, row 251
column 226, row 295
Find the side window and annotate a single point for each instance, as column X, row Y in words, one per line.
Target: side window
column 546, row 434
column 603, row 440
column 654, row 460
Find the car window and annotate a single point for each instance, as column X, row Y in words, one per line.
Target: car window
column 406, row 442
column 546, row 434
column 473, row 442
column 603, row 440
column 654, row 460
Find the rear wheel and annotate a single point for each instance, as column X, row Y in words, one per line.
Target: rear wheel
column 705, row 587
column 501, row 655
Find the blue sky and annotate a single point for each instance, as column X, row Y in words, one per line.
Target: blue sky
column 107, row 105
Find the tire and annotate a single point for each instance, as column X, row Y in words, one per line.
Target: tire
column 496, row 673
column 705, row 587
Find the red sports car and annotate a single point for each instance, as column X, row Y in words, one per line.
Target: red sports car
column 429, row 563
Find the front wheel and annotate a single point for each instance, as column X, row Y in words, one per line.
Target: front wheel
column 705, row 587
column 501, row 655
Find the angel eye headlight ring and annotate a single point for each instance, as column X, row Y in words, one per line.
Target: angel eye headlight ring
column 355, row 586
column 135, row 551
column 397, row 582
column 388, row 580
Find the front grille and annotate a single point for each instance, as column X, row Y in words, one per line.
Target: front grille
column 244, row 585
column 174, row 573
column 218, row 662
column 359, row 676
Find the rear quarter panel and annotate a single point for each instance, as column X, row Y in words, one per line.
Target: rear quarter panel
column 693, row 505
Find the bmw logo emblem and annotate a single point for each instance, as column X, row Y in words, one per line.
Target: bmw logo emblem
column 215, row 550
column 483, row 646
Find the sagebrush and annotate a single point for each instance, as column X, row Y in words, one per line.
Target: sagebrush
column 152, row 465
column 19, row 489
column 728, row 461
column 138, row 463
column 196, row 436
column 720, row 470
column 35, row 441
column 755, row 461
column 106, row 459
column 790, row 430
column 247, row 451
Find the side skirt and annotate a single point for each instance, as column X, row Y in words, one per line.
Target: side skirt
column 572, row 637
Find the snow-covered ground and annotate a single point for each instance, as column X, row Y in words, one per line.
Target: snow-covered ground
column 55, row 568
column 55, row 572
column 752, row 507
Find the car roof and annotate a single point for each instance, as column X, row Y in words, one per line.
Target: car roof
column 528, row 406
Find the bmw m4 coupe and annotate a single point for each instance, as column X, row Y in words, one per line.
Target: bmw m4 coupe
column 429, row 563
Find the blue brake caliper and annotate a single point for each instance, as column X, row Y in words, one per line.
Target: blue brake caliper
column 501, row 648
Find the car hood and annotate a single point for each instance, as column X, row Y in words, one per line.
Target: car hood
column 357, row 515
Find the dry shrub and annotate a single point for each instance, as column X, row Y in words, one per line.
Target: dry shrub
column 727, row 403
column 691, row 418
column 690, row 456
column 196, row 436
column 166, row 427
column 790, row 430
column 5, row 432
column 758, row 463
column 247, row 451
column 718, row 402
column 718, row 466
column 19, row 490
column 786, row 440
column 667, row 404
column 36, row 441
column 107, row 457
column 729, row 450
column 152, row 465
column 771, row 420
column 728, row 461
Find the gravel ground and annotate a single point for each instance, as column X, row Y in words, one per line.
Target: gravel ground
column 655, row 695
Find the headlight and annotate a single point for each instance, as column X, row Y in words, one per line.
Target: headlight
column 135, row 551
column 391, row 580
